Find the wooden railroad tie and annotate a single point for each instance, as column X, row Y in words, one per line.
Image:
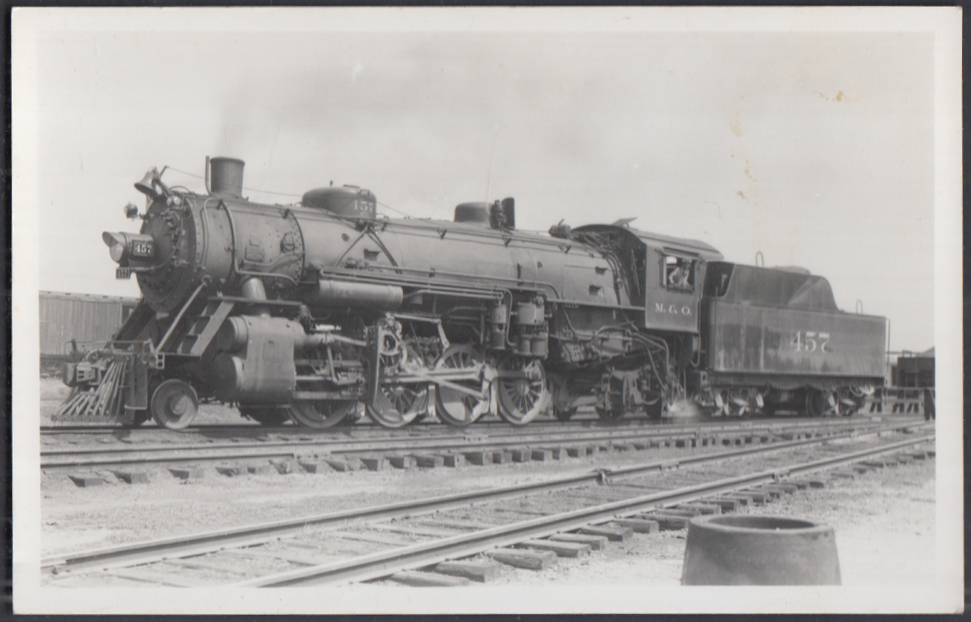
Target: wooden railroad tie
column 374, row 463
column 614, row 533
column 638, row 525
column 523, row 558
column 562, row 549
column 415, row 578
column 481, row 572
column 596, row 543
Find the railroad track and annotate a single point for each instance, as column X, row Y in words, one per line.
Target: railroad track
column 562, row 516
column 449, row 442
column 365, row 426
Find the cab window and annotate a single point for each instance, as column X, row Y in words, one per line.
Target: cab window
column 679, row 273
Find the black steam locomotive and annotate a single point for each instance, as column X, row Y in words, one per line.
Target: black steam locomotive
column 306, row 311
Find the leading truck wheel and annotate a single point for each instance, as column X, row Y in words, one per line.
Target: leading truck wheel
column 320, row 414
column 174, row 404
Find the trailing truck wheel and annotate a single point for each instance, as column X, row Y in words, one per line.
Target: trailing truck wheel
column 320, row 414
column 523, row 397
column 174, row 404
column 610, row 400
column 560, row 396
column 655, row 410
column 266, row 415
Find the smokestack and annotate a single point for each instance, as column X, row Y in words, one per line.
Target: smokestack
column 226, row 175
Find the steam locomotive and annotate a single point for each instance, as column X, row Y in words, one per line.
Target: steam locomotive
column 307, row 311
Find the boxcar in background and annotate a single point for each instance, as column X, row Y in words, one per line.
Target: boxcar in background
column 911, row 387
column 71, row 323
column 914, row 370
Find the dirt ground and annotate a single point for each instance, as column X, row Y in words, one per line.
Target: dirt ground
column 884, row 523
column 884, row 520
column 78, row 518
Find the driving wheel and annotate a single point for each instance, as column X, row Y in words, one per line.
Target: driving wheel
column 523, row 396
column 454, row 406
column 397, row 405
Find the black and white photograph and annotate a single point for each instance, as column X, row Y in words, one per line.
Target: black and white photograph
column 487, row 310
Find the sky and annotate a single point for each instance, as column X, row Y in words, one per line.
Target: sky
column 815, row 149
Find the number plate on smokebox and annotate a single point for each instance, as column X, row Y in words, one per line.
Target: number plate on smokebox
column 122, row 273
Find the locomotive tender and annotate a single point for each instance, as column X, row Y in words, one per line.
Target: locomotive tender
column 306, row 311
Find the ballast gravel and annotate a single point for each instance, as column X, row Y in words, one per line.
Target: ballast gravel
column 884, row 519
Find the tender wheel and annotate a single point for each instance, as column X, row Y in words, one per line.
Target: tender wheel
column 453, row 406
column 266, row 415
column 822, row 404
column 522, row 398
column 320, row 414
column 174, row 404
column 395, row 406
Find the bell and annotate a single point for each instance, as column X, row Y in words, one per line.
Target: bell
column 146, row 185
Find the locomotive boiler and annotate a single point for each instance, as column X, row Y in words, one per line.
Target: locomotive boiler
column 308, row 311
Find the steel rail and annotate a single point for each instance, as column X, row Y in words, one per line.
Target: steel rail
column 98, row 458
column 381, row 564
column 498, row 430
column 365, row 425
column 155, row 550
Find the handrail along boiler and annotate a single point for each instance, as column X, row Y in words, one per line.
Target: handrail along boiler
column 306, row 311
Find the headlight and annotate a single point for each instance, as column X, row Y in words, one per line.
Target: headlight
column 126, row 246
column 117, row 250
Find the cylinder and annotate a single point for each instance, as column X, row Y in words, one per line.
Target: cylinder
column 232, row 335
column 226, row 376
column 349, row 294
column 759, row 550
column 257, row 361
column 226, row 177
